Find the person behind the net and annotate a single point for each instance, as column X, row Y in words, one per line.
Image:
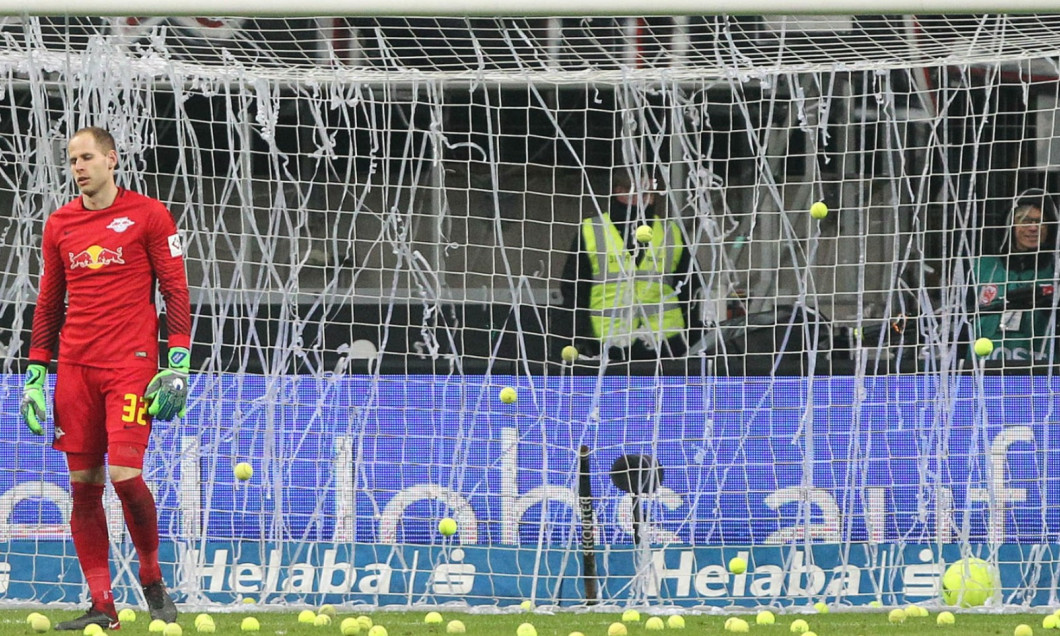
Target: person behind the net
column 1014, row 288
column 623, row 297
column 104, row 254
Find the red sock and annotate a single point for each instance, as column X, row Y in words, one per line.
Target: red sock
column 88, row 525
column 141, row 517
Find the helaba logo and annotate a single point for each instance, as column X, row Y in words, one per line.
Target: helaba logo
column 95, row 257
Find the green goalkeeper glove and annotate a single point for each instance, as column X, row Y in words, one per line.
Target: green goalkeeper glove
column 33, row 409
column 167, row 393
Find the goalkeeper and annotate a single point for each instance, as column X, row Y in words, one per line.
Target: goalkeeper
column 103, row 255
column 1014, row 289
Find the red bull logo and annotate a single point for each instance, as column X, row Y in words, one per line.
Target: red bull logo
column 95, row 257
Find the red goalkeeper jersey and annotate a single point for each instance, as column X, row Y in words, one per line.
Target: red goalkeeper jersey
column 97, row 290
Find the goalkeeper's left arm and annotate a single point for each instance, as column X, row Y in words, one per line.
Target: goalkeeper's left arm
column 167, row 393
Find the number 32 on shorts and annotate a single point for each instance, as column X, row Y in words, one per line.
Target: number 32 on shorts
column 134, row 411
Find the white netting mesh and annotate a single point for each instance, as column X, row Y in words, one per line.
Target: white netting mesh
column 378, row 214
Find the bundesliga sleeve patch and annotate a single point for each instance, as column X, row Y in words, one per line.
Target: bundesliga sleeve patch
column 174, row 246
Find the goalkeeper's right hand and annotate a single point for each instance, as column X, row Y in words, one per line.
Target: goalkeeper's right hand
column 33, row 409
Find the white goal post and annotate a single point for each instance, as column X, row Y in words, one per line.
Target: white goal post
column 383, row 216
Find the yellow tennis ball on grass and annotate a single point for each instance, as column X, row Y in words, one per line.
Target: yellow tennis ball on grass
column 508, row 395
column 377, row 630
column 250, row 624
column 127, row 615
column 526, row 629
column 349, row 626
column 945, row 619
column 617, row 629
column 321, row 620
column 654, row 624
column 799, row 626
column 307, row 616
column 739, row 626
column 676, row 622
column 156, row 626
column 984, row 347
column 631, row 616
column 92, row 630
column 1023, row 630
column 172, row 629
column 206, row 627
column 447, row 527
column 327, row 610
column 365, row 622
column 644, row 233
column 433, row 618
column 969, row 582
column 737, row 565
column 819, row 210
column 765, row 617
column 203, row 618
column 455, row 627
column 40, row 623
column 897, row 615
column 244, row 471
column 1050, row 622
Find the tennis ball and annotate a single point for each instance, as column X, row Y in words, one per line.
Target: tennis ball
column 527, row 605
column 526, row 629
column 40, row 623
column 1050, row 622
column 1023, row 630
column 349, row 626
column 617, row 629
column 575, row 634
column 676, row 622
column 915, row 611
column 377, row 630
column 819, row 210
column 172, row 629
column 432, row 618
column 984, row 347
column 644, row 233
column 875, row 603
column 455, row 627
column 897, row 615
column 508, row 395
column 307, row 616
column 327, row 610
column 95, row 630
column 127, row 615
column 206, row 627
column 799, row 626
column 365, row 622
column 31, row 616
column 631, row 616
column 739, row 626
column 945, row 618
column 199, row 619
column 969, row 582
column 244, row 471
column 249, row 600
column 569, row 353
column 654, row 624
column 765, row 617
column 737, row 565
column 156, row 626
column 321, row 620
column 250, row 624
column 821, row 607
column 447, row 527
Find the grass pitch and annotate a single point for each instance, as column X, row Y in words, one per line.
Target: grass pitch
column 411, row 623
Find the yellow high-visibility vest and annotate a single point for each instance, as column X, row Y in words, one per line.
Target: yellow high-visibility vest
column 630, row 300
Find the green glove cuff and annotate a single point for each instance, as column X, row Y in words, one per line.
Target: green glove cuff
column 179, row 359
column 36, row 374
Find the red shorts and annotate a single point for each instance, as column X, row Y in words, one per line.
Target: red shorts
column 102, row 411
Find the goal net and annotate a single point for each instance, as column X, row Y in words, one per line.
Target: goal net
column 388, row 223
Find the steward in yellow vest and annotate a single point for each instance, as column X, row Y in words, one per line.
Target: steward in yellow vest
column 628, row 296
